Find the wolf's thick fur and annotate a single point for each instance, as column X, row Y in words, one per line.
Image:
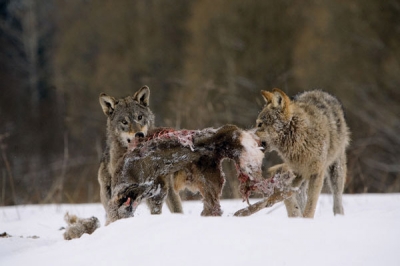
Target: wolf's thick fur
column 311, row 135
column 127, row 118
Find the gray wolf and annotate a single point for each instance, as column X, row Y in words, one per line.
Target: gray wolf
column 311, row 136
column 128, row 118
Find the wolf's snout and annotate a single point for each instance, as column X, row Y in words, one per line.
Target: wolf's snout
column 139, row 135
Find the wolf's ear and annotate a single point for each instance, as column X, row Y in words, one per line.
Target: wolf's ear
column 280, row 99
column 267, row 96
column 142, row 96
column 107, row 103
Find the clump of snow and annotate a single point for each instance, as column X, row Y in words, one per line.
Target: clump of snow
column 367, row 235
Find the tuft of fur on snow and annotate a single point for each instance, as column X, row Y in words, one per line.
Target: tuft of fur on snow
column 79, row 226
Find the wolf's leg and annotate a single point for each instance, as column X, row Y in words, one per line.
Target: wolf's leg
column 155, row 203
column 295, row 204
column 315, row 184
column 173, row 199
column 337, row 175
column 104, row 179
column 298, row 200
column 292, row 207
column 301, row 195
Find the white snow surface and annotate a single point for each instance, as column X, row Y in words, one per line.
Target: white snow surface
column 368, row 234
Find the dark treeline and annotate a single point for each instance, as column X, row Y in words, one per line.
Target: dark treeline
column 205, row 62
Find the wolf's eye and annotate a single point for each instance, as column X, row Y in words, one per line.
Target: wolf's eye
column 140, row 117
column 259, row 125
column 124, row 122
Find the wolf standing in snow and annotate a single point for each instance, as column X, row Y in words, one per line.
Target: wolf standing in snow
column 128, row 118
column 311, row 136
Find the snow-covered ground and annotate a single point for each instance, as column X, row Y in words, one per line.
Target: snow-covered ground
column 368, row 234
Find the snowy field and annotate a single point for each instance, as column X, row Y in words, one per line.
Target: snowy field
column 369, row 234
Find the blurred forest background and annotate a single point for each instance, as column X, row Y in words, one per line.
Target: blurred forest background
column 205, row 62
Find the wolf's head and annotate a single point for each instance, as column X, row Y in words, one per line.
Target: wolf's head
column 128, row 117
column 274, row 117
